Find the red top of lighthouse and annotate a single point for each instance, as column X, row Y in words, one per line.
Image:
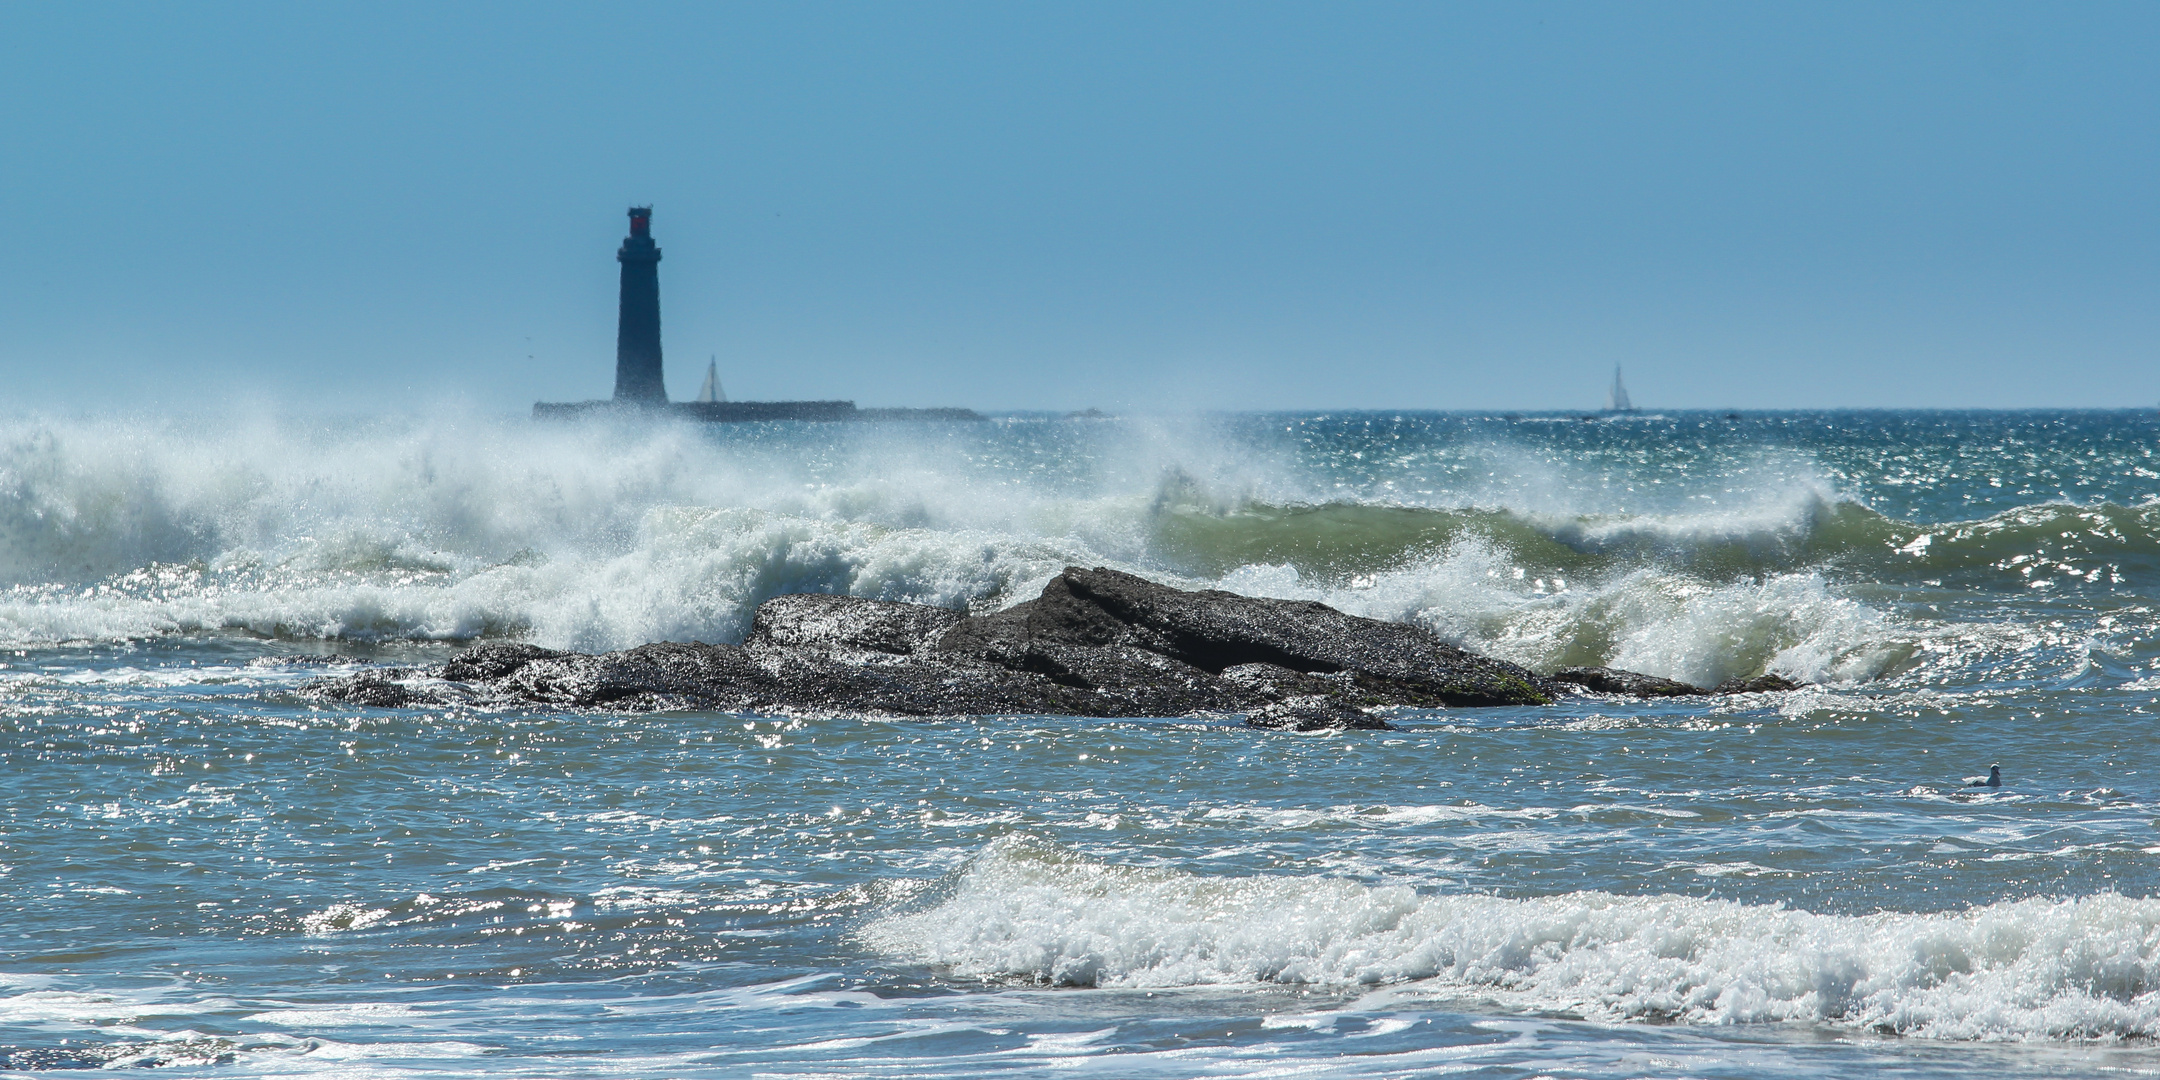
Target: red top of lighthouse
column 641, row 221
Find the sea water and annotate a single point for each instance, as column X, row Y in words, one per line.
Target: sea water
column 205, row 870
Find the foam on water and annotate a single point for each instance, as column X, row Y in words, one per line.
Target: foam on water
column 2086, row 968
column 211, row 874
column 578, row 536
column 1646, row 619
column 598, row 536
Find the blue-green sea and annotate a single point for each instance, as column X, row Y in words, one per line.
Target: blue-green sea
column 207, row 872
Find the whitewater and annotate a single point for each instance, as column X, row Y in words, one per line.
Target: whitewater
column 206, row 870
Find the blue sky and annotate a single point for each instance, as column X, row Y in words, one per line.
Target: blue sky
column 1138, row 206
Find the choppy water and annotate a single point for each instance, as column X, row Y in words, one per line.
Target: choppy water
column 203, row 871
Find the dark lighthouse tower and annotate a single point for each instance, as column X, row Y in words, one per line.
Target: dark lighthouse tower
column 637, row 332
column 639, row 390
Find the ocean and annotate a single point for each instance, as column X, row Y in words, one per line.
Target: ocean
column 207, row 871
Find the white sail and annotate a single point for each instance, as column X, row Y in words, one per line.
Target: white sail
column 711, row 390
column 1616, row 399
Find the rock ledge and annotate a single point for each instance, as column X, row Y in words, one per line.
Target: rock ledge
column 1095, row 643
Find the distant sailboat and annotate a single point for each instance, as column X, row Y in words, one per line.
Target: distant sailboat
column 711, row 392
column 1616, row 399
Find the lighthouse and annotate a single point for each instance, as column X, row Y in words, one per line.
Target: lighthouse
column 637, row 330
column 639, row 389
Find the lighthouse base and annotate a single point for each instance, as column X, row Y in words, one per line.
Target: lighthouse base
column 731, row 412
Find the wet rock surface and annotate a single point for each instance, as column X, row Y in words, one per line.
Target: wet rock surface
column 1760, row 684
column 1605, row 680
column 1095, row 643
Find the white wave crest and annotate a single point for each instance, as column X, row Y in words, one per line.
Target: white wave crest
column 2086, row 968
column 578, row 536
column 1649, row 620
column 690, row 573
column 595, row 537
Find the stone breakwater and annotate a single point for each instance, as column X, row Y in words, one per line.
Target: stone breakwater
column 1096, row 643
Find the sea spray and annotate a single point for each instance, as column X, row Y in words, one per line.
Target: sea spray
column 608, row 535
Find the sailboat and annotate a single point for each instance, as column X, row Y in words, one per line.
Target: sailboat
column 711, row 392
column 1616, row 399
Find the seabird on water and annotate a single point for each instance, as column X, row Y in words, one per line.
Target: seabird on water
column 1994, row 778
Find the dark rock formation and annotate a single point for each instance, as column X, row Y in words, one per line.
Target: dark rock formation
column 846, row 624
column 1760, row 684
column 1090, row 628
column 493, row 662
column 1604, row 680
column 1312, row 713
column 383, row 688
column 1095, row 643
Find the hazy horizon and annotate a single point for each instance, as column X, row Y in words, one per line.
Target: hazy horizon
column 1124, row 207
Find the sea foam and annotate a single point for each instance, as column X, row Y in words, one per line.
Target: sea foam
column 1030, row 911
column 601, row 536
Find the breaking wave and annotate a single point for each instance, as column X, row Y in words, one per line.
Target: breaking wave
column 2048, row 544
column 596, row 536
column 1667, row 623
column 1030, row 911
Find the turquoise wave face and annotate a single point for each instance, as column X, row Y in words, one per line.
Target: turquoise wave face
column 2051, row 545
